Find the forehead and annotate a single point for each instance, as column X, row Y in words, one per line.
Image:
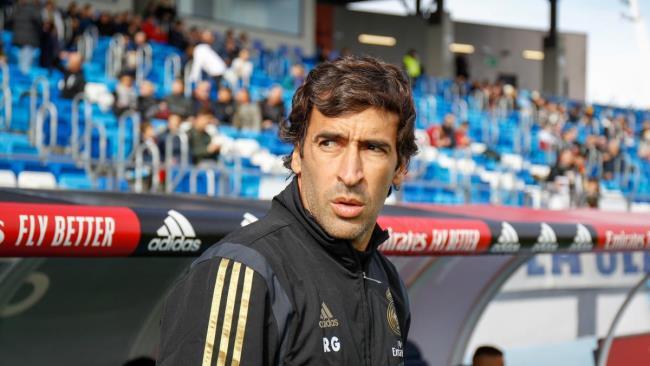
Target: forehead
column 369, row 123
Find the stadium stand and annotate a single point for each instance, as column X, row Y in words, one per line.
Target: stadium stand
column 479, row 143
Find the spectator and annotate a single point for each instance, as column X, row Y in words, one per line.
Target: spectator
column 86, row 19
column 202, row 146
column 247, row 114
column 412, row 65
column 564, row 166
column 225, row 106
column 644, row 142
column 125, row 96
column 121, row 23
column 105, row 25
column 443, row 136
column 591, row 193
column 205, row 59
column 295, row 78
column 240, row 71
column 27, row 30
column 153, row 30
column 173, row 126
column 272, row 108
column 52, row 14
column 130, row 61
column 230, row 47
column 50, row 47
column 461, row 136
column 176, row 102
column 612, row 160
column 73, row 81
column 202, row 97
column 148, row 105
column 488, row 356
column 177, row 36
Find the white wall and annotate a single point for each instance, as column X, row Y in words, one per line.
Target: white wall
column 102, row 5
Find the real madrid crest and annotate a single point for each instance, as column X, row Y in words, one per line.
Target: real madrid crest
column 391, row 314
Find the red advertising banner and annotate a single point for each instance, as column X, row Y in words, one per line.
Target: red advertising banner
column 426, row 236
column 33, row 230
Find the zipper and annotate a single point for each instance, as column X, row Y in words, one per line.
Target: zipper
column 366, row 314
column 370, row 279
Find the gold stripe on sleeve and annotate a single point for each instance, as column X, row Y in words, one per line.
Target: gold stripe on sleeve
column 227, row 316
column 214, row 312
column 243, row 315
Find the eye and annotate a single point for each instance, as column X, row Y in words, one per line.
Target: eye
column 376, row 148
column 327, row 144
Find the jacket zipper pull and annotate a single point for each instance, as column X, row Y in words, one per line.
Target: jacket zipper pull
column 370, row 279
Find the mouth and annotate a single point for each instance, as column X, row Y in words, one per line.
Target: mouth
column 347, row 208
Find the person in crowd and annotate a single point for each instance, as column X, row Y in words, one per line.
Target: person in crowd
column 148, row 106
column 51, row 13
column 73, row 81
column 229, row 48
column 27, row 30
column 564, row 166
column 121, row 23
column 126, row 97
column 130, row 61
column 247, row 114
column 295, row 78
column 488, row 356
column 153, row 30
column 173, row 126
column 86, row 18
column 443, row 136
column 272, row 108
column 591, row 193
column 205, row 59
column 644, row 142
column 412, row 65
column 201, row 97
column 105, row 25
column 202, row 145
column 612, row 159
column 177, row 35
column 240, row 70
column 176, row 102
column 225, row 106
column 50, row 47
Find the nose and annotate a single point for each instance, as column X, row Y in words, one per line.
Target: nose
column 350, row 170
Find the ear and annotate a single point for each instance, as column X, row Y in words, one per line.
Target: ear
column 296, row 161
column 400, row 173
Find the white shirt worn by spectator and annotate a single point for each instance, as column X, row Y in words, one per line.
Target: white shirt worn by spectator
column 206, row 59
column 240, row 69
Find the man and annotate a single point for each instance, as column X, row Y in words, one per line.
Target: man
column 306, row 285
column 487, row 356
column 202, row 146
column 73, row 81
column 27, row 31
column 205, row 59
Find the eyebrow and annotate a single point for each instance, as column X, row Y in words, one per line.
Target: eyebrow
column 326, row 135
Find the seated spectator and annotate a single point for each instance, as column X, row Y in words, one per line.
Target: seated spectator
column 177, row 36
column 487, row 356
column 105, row 25
column 564, row 166
column 225, row 107
column 272, row 108
column 205, row 59
column 125, row 96
column 201, row 97
column 230, row 47
column 240, row 70
column 153, row 30
column 295, row 78
column 591, row 193
column 130, row 61
column 202, row 147
column 173, row 125
column 612, row 160
column 50, row 47
column 73, row 81
column 147, row 102
column 247, row 114
column 176, row 102
column 461, row 136
column 443, row 136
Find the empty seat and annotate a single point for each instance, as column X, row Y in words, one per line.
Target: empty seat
column 7, row 179
column 36, row 180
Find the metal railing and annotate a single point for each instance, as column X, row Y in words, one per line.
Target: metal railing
column 151, row 147
column 172, row 70
column 44, row 84
column 172, row 182
column 47, row 109
column 75, row 147
column 114, row 55
column 144, row 63
column 121, row 159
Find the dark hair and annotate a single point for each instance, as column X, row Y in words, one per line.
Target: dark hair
column 486, row 351
column 353, row 84
column 205, row 111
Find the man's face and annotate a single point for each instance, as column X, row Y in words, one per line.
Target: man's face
column 486, row 360
column 346, row 170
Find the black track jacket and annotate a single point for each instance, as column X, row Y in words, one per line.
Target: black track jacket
column 281, row 291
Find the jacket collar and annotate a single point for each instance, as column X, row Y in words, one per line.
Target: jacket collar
column 341, row 250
